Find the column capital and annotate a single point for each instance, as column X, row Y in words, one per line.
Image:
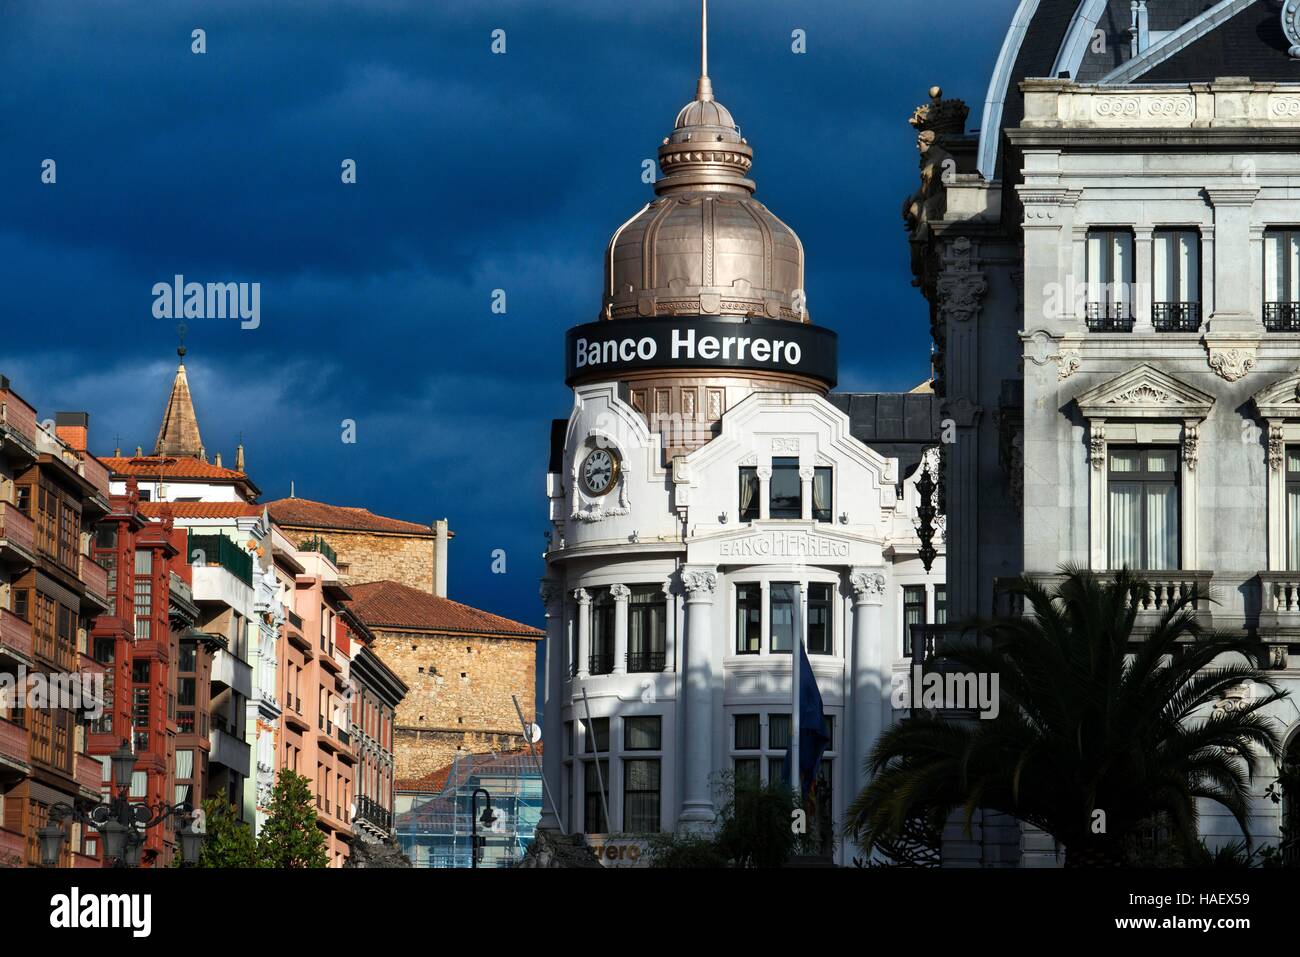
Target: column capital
column 551, row 592
column 700, row 582
column 764, row 472
column 868, row 586
column 620, row 592
column 582, row 596
column 806, row 473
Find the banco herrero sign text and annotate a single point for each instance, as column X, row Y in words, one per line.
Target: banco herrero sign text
column 626, row 345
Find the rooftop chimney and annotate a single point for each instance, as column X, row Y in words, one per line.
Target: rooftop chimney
column 217, row 461
column 239, row 457
column 440, row 558
column 71, row 428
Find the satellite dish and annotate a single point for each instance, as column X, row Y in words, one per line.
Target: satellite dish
column 534, row 733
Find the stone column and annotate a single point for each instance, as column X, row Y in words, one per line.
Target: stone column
column 670, row 627
column 620, row 594
column 1233, row 306
column 805, row 493
column 553, row 731
column 764, row 492
column 697, row 806
column 583, row 612
column 868, row 668
column 1143, row 292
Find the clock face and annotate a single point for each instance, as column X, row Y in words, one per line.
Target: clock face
column 599, row 471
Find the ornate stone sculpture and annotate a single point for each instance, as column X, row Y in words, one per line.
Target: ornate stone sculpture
column 868, row 585
column 699, row 583
column 961, row 286
column 1232, row 364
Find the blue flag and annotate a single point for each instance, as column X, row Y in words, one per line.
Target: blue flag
column 814, row 736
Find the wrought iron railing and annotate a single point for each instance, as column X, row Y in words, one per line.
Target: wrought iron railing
column 641, row 661
column 1109, row 317
column 1176, row 316
column 370, row 810
column 318, row 544
column 1282, row 316
column 600, row 664
column 220, row 550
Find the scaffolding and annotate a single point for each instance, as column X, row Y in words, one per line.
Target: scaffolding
column 435, row 824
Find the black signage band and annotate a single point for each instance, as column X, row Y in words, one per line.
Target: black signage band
column 631, row 345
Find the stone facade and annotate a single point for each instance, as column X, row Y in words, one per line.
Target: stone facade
column 459, row 697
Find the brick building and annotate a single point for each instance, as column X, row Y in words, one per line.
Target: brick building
column 370, row 547
column 461, row 667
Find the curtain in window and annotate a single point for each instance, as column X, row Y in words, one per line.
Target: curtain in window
column 1176, row 265
column 1162, row 527
column 1125, row 526
column 641, row 796
column 782, row 617
column 822, row 490
column 748, row 492
column 1293, row 528
column 1282, row 266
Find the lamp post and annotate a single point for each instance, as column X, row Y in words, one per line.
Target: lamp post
column 488, row 819
column 120, row 822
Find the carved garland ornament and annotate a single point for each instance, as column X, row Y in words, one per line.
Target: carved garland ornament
column 1276, row 446
column 1097, row 445
column 1191, row 439
column 1232, row 364
column 961, row 287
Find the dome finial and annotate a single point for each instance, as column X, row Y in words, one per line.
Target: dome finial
column 704, row 89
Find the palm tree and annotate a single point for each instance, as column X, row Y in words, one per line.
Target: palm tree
column 1100, row 731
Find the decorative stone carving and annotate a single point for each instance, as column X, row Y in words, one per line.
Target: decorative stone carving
column 961, row 286
column 1232, row 364
column 785, row 444
column 933, row 120
column 1067, row 364
column 1146, row 393
column 806, row 473
column 764, row 473
column 868, row 585
column 1291, row 26
column 620, row 592
column 582, row 596
column 1097, row 445
column 550, row 592
column 1237, row 697
column 1277, row 656
column 1191, row 440
column 963, row 412
column 699, row 583
column 1276, row 446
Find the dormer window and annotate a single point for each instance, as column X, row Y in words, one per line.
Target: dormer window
column 784, row 493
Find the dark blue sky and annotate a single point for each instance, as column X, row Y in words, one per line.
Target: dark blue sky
column 475, row 172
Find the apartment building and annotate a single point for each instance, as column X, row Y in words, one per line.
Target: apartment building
column 52, row 494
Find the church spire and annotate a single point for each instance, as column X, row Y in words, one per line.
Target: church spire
column 179, row 432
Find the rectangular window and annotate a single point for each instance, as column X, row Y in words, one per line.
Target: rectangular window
column 748, row 771
column 941, row 604
column 602, row 633
column 784, row 493
column 748, row 732
column 783, row 596
column 642, row 733
column 748, row 493
column 143, row 595
column 1176, row 268
column 594, row 783
column 597, row 735
column 749, row 619
column 823, row 505
column 1110, row 280
column 778, row 732
column 641, row 796
column 1142, row 500
column 1282, row 280
column 1293, row 508
column 913, row 613
column 647, row 617
column 820, row 618
column 20, row 604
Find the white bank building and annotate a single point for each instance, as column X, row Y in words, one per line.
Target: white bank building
column 706, row 493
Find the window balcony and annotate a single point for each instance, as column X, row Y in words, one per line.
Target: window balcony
column 15, row 747
column 601, row 664
column 1282, row 316
column 646, row 661
column 1109, row 317
column 15, row 638
column 1176, row 316
column 89, row 776
column 17, row 423
column 17, row 537
column 95, row 577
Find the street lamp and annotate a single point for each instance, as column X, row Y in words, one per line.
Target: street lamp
column 119, row 821
column 489, row 818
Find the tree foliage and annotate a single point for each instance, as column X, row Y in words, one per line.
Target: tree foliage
column 1102, row 726
column 290, row 837
column 229, row 841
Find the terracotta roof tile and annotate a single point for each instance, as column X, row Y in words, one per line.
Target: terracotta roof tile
column 301, row 511
column 201, row 509
column 392, row 604
column 435, row 782
column 167, row 466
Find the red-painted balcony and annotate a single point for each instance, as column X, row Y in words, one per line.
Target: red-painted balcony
column 90, row 775
column 95, row 577
column 14, row 747
column 15, row 637
column 13, row 848
column 17, row 417
column 95, row 473
column 17, row 537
